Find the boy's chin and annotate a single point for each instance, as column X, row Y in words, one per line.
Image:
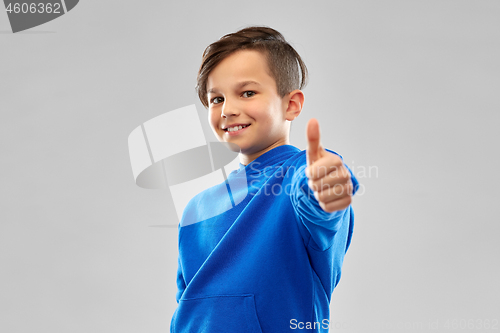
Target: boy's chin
column 231, row 146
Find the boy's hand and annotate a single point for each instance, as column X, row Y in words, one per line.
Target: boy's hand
column 328, row 177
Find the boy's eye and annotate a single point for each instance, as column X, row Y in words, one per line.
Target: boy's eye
column 216, row 100
column 246, row 93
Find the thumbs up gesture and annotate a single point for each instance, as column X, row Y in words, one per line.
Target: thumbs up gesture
column 328, row 177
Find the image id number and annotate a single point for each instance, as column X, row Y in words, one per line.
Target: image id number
column 471, row 324
column 32, row 8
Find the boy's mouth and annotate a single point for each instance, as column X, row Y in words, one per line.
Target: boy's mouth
column 235, row 128
column 231, row 131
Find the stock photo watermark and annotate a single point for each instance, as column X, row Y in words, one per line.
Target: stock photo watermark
column 439, row 325
column 24, row 15
column 325, row 174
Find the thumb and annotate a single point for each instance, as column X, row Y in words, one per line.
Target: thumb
column 313, row 143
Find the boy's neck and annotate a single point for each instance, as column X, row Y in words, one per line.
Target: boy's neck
column 245, row 159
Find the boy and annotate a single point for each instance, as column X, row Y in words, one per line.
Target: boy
column 271, row 262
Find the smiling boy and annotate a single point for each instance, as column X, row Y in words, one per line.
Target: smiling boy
column 273, row 259
column 241, row 92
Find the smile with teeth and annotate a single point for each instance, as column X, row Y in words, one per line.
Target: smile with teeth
column 235, row 128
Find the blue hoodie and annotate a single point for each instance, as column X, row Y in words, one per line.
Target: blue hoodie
column 269, row 263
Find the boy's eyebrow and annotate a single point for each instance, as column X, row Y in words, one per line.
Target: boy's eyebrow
column 238, row 86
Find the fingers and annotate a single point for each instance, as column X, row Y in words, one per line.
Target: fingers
column 333, row 191
column 328, row 182
column 330, row 164
column 313, row 141
column 335, row 205
column 327, row 176
column 327, row 192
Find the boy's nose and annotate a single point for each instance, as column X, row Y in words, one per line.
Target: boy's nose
column 228, row 109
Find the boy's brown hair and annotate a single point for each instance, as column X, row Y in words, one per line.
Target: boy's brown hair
column 283, row 61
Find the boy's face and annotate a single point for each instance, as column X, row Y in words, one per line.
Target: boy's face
column 240, row 91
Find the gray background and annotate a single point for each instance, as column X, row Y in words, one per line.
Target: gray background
column 409, row 88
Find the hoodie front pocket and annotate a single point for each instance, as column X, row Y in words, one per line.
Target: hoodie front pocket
column 216, row 314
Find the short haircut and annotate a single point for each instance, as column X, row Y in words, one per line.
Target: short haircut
column 284, row 63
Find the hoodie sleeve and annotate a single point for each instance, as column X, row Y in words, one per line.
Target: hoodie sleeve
column 320, row 226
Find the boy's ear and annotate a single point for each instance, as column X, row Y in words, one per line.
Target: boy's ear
column 295, row 103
